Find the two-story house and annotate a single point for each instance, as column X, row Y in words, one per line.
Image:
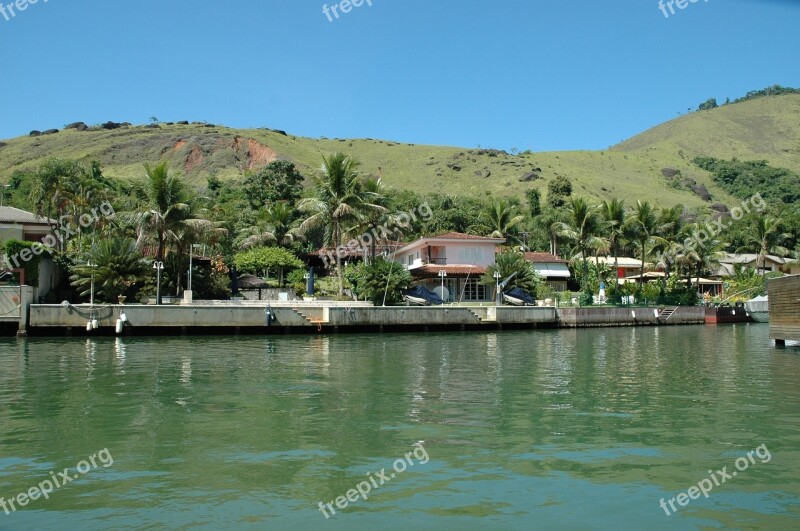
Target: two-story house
column 451, row 265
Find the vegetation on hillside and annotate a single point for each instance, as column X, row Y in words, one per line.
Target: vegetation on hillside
column 743, row 178
column 233, row 191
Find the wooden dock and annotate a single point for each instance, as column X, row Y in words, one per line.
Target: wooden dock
column 784, row 309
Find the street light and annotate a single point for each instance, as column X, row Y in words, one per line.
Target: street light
column 525, row 239
column 91, row 292
column 158, row 266
column 191, row 254
column 442, row 275
column 497, row 288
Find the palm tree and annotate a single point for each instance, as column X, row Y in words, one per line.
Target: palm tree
column 671, row 231
column 513, row 263
column 582, row 227
column 643, row 225
column 338, row 201
column 376, row 193
column 275, row 225
column 50, row 189
column 765, row 237
column 614, row 215
column 168, row 216
column 193, row 230
column 116, row 269
column 166, row 197
column 550, row 220
column 500, row 220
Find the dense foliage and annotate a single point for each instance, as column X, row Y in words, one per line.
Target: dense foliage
column 381, row 281
column 743, row 178
column 265, row 222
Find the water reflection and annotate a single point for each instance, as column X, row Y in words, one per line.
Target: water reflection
column 623, row 415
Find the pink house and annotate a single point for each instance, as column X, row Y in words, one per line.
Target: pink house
column 451, row 265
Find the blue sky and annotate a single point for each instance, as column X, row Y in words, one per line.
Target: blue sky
column 530, row 74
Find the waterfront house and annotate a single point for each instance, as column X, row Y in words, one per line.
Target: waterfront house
column 17, row 224
column 769, row 264
column 553, row 270
column 626, row 267
column 355, row 251
column 451, row 265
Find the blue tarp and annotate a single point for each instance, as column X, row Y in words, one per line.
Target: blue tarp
column 310, row 282
column 423, row 293
column 521, row 294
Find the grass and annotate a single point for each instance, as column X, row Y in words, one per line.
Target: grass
column 764, row 128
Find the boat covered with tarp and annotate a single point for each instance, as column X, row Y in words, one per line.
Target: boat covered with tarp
column 421, row 296
column 758, row 308
column 518, row 297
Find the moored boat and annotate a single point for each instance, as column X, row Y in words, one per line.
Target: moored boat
column 758, row 308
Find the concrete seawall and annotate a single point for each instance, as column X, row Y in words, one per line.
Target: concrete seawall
column 332, row 317
column 591, row 317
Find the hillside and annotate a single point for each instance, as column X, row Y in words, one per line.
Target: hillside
column 764, row 128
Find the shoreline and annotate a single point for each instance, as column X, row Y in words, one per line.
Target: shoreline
column 315, row 318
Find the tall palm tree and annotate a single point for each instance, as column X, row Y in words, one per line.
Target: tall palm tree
column 700, row 258
column 166, row 211
column 376, row 193
column 666, row 243
column 550, row 221
column 50, row 189
column 500, row 219
column 765, row 237
column 614, row 215
column 338, row 201
column 643, row 224
column 583, row 227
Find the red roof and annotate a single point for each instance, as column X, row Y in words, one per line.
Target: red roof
column 544, row 258
column 460, row 236
column 431, row 271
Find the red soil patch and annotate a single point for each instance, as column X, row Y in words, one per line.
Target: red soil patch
column 193, row 159
column 258, row 154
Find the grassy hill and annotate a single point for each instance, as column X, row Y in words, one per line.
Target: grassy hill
column 764, row 128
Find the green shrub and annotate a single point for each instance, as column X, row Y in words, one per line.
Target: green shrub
column 15, row 257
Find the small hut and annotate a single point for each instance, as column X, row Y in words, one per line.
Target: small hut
column 252, row 282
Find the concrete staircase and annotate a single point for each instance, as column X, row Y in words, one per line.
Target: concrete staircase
column 313, row 317
column 666, row 313
column 484, row 315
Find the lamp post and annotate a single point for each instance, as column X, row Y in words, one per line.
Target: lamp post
column 158, row 266
column 91, row 287
column 497, row 288
column 191, row 254
column 442, row 275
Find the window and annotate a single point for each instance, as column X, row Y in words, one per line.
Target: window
column 474, row 291
column 470, row 255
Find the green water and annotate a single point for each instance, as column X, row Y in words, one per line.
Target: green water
column 562, row 429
